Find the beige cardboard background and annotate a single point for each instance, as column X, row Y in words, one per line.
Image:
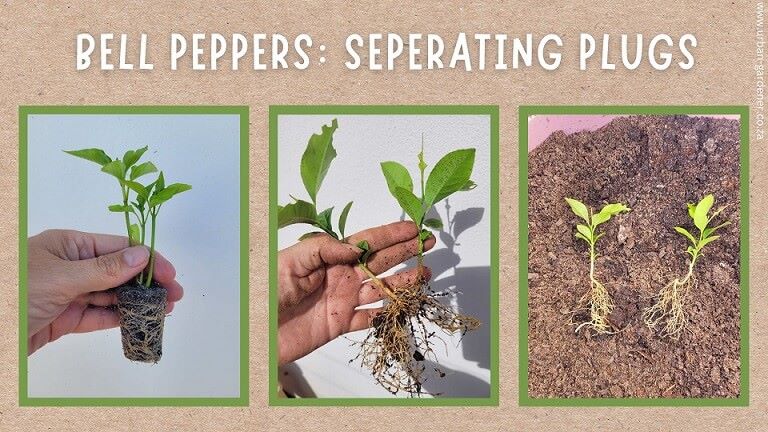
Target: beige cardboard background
column 37, row 66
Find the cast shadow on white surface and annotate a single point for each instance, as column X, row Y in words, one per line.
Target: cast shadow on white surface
column 467, row 290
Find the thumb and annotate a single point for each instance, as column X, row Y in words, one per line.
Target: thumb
column 109, row 271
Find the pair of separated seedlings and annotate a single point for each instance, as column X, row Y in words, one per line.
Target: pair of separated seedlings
column 667, row 314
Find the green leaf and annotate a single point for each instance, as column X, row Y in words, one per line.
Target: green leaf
column 410, row 204
column 317, row 159
column 142, row 169
column 91, row 154
column 424, row 234
column 134, row 235
column 115, row 168
column 608, row 212
column 600, row 218
column 324, row 221
column 700, row 214
column 691, row 209
column 143, row 199
column 295, row 213
column 578, row 208
column 585, row 231
column 578, row 235
column 468, row 186
column 141, row 191
column 614, row 209
column 449, row 175
column 433, row 223
column 160, row 182
column 363, row 244
column 687, row 234
column 709, row 231
column 167, row 193
column 132, row 156
column 707, row 241
column 119, row 208
column 343, row 218
column 397, row 176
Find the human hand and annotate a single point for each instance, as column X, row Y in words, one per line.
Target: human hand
column 320, row 284
column 69, row 275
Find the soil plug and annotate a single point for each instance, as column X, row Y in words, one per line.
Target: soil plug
column 598, row 300
column 667, row 315
column 401, row 335
column 141, row 302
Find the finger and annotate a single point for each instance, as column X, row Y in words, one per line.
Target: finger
column 107, row 271
column 332, row 251
column 82, row 245
column 102, row 298
column 164, row 271
column 97, row 318
column 387, row 258
column 169, row 307
column 370, row 291
column 386, row 235
column 322, row 249
column 362, row 318
column 174, row 289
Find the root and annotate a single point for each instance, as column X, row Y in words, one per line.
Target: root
column 667, row 315
column 142, row 314
column 600, row 305
column 400, row 338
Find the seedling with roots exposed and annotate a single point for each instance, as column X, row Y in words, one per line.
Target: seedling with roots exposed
column 598, row 300
column 667, row 315
column 401, row 337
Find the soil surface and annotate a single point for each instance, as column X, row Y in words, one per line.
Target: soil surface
column 654, row 164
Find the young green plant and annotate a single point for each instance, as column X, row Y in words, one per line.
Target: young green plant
column 597, row 300
column 315, row 163
column 400, row 340
column 148, row 200
column 667, row 315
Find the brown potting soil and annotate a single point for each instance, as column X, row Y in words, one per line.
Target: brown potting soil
column 142, row 316
column 654, row 164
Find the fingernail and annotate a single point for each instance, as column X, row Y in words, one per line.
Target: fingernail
column 135, row 255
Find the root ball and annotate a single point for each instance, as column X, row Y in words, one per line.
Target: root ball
column 142, row 315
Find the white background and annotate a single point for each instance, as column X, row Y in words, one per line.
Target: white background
column 198, row 231
column 362, row 142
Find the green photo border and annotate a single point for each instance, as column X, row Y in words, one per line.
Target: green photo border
column 493, row 113
column 24, row 113
column 524, row 112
